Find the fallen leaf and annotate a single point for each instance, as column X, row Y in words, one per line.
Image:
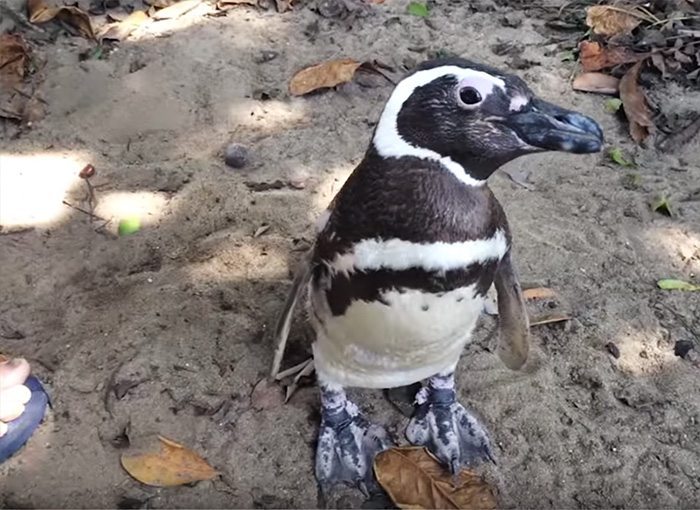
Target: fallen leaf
column 613, row 105
column 595, row 57
column 418, row 9
column 130, row 225
column 662, row 205
column 539, row 293
column 671, row 284
column 324, row 75
column 635, row 104
column 176, row 10
column 567, row 56
column 596, row 82
column 519, row 175
column 631, row 181
column 13, row 60
column 39, row 12
column 266, row 394
column 261, row 230
column 549, row 318
column 283, row 5
column 121, row 30
column 415, row 479
column 611, row 20
column 173, row 464
column 618, row 157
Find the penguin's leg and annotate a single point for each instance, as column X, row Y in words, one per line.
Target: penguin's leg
column 347, row 442
column 445, row 427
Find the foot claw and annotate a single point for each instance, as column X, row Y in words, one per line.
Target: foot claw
column 347, row 445
column 448, row 430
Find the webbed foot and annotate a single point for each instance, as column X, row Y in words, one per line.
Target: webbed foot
column 347, row 443
column 446, row 428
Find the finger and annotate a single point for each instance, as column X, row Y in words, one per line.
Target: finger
column 10, row 411
column 13, row 372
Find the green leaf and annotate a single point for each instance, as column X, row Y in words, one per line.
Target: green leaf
column 618, row 157
column 613, row 105
column 671, row 284
column 418, row 9
column 631, row 181
column 130, row 225
column 567, row 56
column 662, row 205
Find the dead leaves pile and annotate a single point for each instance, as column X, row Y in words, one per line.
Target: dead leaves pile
column 117, row 23
column 624, row 39
column 414, row 479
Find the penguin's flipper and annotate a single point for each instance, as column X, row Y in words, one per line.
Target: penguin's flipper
column 284, row 321
column 513, row 323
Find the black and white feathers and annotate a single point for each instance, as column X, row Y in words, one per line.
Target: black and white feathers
column 414, row 239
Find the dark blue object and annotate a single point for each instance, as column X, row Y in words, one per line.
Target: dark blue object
column 21, row 429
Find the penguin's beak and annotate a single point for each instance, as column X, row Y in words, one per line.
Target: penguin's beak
column 548, row 127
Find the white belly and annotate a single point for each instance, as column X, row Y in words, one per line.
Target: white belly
column 377, row 345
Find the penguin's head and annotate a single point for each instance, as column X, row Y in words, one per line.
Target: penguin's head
column 476, row 117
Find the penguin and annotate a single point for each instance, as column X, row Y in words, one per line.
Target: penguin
column 406, row 252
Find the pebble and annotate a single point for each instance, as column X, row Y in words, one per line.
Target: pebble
column 613, row 350
column 682, row 348
column 236, row 155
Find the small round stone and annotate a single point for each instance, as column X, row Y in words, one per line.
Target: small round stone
column 236, row 155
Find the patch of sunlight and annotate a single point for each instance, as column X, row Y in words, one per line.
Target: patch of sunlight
column 226, row 258
column 269, row 116
column 33, row 186
column 681, row 246
column 641, row 354
column 148, row 206
column 329, row 187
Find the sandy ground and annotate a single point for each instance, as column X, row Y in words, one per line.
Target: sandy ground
column 166, row 331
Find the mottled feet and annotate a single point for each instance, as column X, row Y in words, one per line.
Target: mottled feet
column 446, row 428
column 347, row 443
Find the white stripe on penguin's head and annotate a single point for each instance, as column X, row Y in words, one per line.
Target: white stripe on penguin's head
column 387, row 140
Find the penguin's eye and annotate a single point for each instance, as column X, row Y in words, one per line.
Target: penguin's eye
column 469, row 96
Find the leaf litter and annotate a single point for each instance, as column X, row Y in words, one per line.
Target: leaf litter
column 413, row 478
column 170, row 465
column 621, row 38
column 333, row 73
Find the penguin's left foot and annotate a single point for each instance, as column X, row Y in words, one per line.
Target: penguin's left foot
column 446, row 428
column 347, row 443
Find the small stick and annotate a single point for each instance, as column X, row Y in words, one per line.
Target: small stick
column 93, row 216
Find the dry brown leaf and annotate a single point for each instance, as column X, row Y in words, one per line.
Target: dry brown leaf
column 595, row 57
column 324, row 75
column 599, row 83
column 39, row 12
column 611, row 20
column 539, row 293
column 121, row 30
column 13, row 59
column 635, row 104
column 176, row 10
column 173, row 464
column 549, row 318
column 415, row 479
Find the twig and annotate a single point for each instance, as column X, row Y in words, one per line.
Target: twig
column 29, row 96
column 93, row 216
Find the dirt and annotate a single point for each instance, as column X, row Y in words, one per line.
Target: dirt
column 166, row 331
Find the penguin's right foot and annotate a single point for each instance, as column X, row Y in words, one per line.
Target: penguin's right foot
column 347, row 443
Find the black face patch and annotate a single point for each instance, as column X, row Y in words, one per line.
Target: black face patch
column 434, row 118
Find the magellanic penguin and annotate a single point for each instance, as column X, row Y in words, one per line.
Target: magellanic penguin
column 406, row 252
